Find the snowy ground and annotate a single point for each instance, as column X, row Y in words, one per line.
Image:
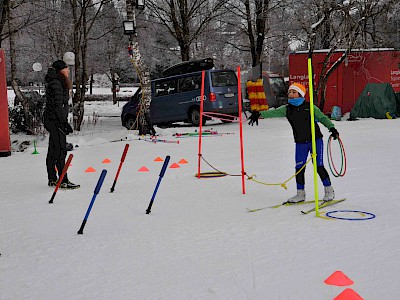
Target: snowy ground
column 199, row 242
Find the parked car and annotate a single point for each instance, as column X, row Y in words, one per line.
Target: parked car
column 275, row 89
column 177, row 98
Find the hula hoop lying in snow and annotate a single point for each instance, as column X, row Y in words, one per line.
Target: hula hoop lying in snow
column 211, row 174
column 368, row 215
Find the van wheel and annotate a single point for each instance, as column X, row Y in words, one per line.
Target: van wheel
column 194, row 117
column 130, row 122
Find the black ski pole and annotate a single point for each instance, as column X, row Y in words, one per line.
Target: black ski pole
column 119, row 168
column 96, row 191
column 66, row 166
column 164, row 167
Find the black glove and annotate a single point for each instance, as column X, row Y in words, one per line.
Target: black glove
column 254, row 118
column 334, row 133
column 66, row 128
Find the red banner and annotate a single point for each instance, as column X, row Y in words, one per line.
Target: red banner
column 5, row 144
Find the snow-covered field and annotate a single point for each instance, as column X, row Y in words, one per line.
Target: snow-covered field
column 199, row 242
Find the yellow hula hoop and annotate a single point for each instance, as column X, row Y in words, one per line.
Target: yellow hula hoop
column 211, row 174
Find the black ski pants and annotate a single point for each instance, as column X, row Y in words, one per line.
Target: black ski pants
column 57, row 150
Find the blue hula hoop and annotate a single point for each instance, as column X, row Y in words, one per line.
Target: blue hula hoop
column 369, row 215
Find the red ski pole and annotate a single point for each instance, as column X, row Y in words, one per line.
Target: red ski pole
column 66, row 166
column 119, row 168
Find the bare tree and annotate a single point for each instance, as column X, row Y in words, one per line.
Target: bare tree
column 185, row 19
column 4, row 4
column 13, row 27
column 339, row 25
column 143, row 121
column 232, row 32
column 84, row 14
column 255, row 24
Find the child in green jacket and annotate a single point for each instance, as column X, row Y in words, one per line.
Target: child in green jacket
column 297, row 111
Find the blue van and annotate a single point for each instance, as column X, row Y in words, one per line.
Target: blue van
column 177, row 98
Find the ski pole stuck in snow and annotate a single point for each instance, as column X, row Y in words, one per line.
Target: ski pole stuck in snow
column 164, row 167
column 119, row 168
column 61, row 177
column 96, row 191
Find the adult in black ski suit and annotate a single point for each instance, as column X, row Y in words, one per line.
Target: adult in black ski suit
column 58, row 87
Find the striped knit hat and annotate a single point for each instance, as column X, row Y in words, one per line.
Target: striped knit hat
column 298, row 87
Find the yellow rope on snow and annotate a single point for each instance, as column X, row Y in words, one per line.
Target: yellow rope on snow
column 280, row 184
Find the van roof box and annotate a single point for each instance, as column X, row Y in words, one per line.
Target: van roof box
column 189, row 67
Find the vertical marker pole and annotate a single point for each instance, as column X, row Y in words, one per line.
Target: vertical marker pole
column 119, row 168
column 241, row 129
column 203, row 75
column 66, row 166
column 34, row 147
column 313, row 143
column 164, row 167
column 96, row 191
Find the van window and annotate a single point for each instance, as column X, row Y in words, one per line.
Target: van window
column 190, row 83
column 277, row 85
column 167, row 87
column 223, row 78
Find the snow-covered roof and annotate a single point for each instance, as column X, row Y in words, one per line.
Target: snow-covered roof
column 343, row 50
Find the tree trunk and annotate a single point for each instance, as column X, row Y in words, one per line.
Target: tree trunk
column 325, row 76
column 21, row 99
column 145, row 126
column 79, row 95
column 4, row 7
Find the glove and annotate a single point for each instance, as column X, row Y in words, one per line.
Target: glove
column 66, row 128
column 334, row 133
column 254, row 118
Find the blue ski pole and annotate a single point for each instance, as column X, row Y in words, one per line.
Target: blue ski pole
column 164, row 167
column 96, row 191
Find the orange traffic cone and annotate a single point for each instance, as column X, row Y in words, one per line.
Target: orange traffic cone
column 348, row 294
column 338, row 278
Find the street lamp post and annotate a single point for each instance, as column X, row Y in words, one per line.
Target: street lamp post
column 140, row 4
column 37, row 67
column 69, row 59
column 129, row 27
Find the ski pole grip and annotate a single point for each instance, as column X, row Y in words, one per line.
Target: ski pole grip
column 164, row 167
column 124, row 153
column 100, row 182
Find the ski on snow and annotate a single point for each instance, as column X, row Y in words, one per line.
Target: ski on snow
column 278, row 205
column 325, row 204
column 332, row 202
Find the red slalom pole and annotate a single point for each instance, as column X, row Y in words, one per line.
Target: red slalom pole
column 119, row 168
column 66, row 166
column 203, row 74
column 241, row 129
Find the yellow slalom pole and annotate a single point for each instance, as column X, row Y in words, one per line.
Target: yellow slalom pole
column 313, row 143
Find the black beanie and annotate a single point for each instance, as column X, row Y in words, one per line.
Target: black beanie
column 59, row 65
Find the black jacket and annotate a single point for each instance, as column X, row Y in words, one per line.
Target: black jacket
column 299, row 119
column 57, row 95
